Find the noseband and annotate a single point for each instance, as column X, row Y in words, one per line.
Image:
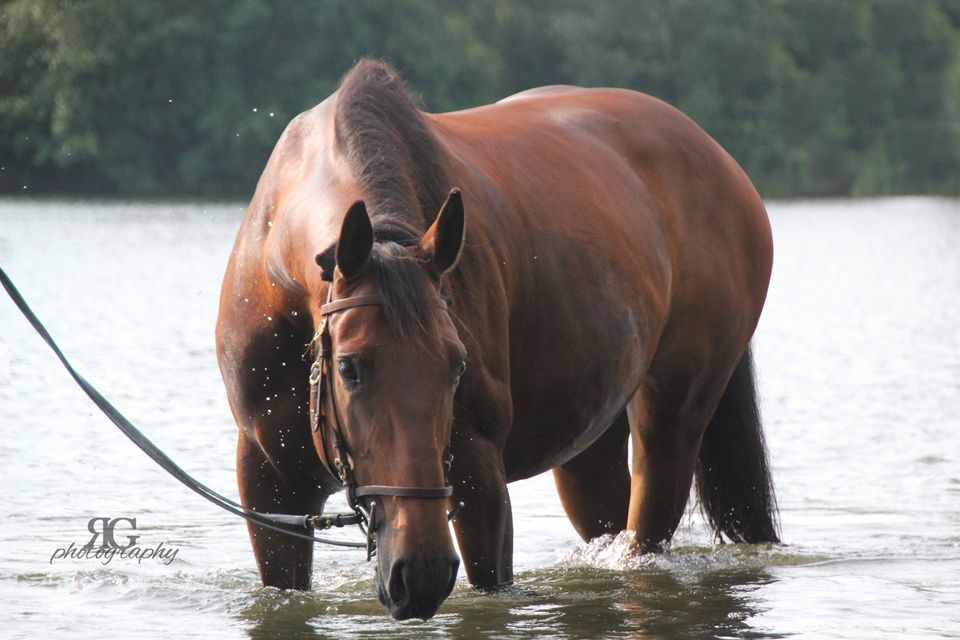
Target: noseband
column 325, row 419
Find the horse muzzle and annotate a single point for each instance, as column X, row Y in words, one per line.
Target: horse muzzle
column 415, row 588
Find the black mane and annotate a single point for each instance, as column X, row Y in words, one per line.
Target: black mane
column 396, row 161
column 388, row 145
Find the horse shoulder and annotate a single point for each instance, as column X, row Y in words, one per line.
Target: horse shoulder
column 266, row 291
column 297, row 207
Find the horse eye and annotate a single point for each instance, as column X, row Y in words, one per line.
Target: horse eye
column 461, row 368
column 348, row 371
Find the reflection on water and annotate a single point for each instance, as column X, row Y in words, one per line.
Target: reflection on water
column 859, row 360
column 572, row 603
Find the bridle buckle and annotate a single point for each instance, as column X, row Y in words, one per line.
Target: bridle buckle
column 341, row 469
column 316, row 372
column 447, row 464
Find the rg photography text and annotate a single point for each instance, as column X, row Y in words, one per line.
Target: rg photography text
column 105, row 531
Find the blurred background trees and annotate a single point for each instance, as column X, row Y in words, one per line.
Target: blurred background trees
column 185, row 98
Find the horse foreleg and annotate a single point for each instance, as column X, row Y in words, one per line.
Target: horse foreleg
column 594, row 487
column 283, row 561
column 484, row 526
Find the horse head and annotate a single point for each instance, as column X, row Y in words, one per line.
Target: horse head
column 392, row 362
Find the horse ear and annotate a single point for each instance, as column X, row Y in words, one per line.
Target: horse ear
column 356, row 241
column 443, row 241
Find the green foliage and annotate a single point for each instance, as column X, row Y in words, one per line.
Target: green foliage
column 813, row 97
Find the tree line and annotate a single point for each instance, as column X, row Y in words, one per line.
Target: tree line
column 186, row 98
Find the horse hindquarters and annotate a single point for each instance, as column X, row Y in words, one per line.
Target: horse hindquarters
column 709, row 425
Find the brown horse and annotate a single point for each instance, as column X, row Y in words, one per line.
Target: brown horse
column 605, row 264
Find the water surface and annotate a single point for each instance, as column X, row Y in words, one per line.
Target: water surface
column 858, row 355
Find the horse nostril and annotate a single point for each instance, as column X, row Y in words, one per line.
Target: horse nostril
column 454, row 566
column 397, row 588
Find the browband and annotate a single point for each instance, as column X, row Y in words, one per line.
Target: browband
column 364, row 301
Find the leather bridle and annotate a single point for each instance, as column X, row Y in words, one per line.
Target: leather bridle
column 325, row 419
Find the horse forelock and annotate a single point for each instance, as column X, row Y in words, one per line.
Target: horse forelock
column 408, row 297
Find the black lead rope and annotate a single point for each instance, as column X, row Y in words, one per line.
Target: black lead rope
column 266, row 520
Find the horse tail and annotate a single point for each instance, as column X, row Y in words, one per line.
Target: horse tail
column 733, row 474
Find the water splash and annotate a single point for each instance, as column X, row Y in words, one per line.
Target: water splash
column 617, row 553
